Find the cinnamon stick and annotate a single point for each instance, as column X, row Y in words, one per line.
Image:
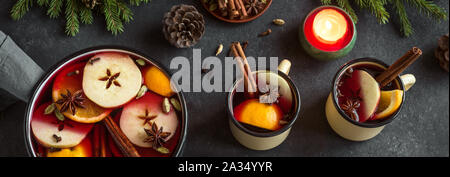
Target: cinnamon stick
column 124, row 144
column 243, row 10
column 399, row 66
column 98, row 141
column 249, row 81
column 222, row 4
column 232, row 9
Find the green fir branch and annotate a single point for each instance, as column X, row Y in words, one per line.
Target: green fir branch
column 377, row 9
column 86, row 16
column 112, row 17
column 125, row 13
column 405, row 24
column 42, row 2
column 21, row 8
column 326, row 2
column 137, row 2
column 345, row 4
column 55, row 8
column 72, row 22
column 429, row 8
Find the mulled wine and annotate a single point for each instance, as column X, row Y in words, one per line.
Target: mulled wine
column 360, row 97
column 269, row 110
column 107, row 104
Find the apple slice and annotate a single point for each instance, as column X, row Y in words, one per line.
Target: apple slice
column 143, row 112
column 369, row 93
column 50, row 132
column 69, row 80
column 111, row 79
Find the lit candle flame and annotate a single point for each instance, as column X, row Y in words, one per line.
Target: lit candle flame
column 329, row 26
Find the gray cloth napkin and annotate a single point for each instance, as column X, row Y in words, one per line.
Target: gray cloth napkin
column 18, row 73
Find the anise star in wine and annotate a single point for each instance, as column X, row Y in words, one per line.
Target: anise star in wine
column 71, row 102
column 111, row 79
column 350, row 107
column 270, row 95
column 156, row 136
column 147, row 117
column 254, row 7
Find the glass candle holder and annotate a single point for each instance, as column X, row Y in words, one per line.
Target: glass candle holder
column 327, row 33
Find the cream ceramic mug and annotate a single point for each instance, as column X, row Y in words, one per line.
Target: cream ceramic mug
column 258, row 140
column 352, row 130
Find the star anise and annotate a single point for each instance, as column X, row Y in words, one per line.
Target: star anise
column 270, row 94
column 156, row 136
column 111, row 79
column 254, row 7
column 350, row 107
column 147, row 118
column 71, row 102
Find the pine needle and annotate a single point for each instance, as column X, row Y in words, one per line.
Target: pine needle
column 42, row 2
column 86, row 15
column 113, row 21
column 429, row 8
column 345, row 4
column 72, row 22
column 55, row 8
column 21, row 8
column 405, row 27
column 125, row 13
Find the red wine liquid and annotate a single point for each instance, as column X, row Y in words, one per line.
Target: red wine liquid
column 348, row 91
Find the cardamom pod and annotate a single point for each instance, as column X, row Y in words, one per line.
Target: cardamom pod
column 140, row 62
column 212, row 7
column 219, row 50
column 59, row 115
column 163, row 150
column 166, row 105
column 141, row 91
column 279, row 22
column 49, row 109
column 176, row 104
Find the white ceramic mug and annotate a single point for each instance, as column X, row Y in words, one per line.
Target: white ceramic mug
column 346, row 127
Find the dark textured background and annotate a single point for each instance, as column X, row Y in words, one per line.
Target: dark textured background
column 422, row 128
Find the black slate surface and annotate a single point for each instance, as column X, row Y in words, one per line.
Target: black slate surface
column 422, row 128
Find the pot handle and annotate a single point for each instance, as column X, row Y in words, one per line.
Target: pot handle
column 408, row 81
column 285, row 66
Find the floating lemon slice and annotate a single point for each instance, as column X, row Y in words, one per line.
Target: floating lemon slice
column 390, row 101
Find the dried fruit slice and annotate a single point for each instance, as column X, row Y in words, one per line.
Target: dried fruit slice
column 139, row 114
column 258, row 114
column 50, row 132
column 69, row 80
column 390, row 101
column 157, row 81
column 84, row 149
column 111, row 79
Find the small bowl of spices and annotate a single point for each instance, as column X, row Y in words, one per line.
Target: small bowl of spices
column 236, row 11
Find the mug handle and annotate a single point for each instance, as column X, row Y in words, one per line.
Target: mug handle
column 285, row 66
column 408, row 81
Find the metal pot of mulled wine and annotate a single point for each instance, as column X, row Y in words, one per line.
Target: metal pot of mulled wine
column 336, row 109
column 42, row 95
column 259, row 137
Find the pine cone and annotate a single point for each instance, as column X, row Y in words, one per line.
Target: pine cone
column 183, row 26
column 441, row 52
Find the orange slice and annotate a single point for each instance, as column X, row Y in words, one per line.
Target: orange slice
column 70, row 80
column 258, row 114
column 157, row 81
column 390, row 101
column 84, row 149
